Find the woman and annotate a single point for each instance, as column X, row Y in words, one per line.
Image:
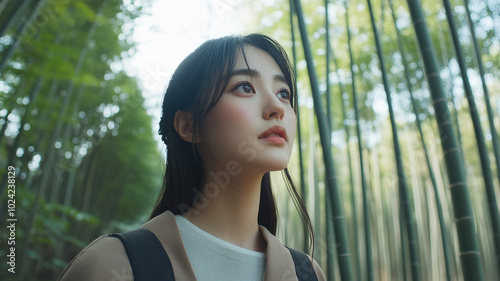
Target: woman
column 228, row 120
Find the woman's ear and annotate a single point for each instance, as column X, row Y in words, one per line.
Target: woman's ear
column 183, row 123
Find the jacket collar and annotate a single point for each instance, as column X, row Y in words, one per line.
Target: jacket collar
column 279, row 262
column 166, row 230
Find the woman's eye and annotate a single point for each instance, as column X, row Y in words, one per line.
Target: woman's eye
column 283, row 94
column 244, row 88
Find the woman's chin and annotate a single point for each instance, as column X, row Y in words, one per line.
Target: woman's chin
column 272, row 165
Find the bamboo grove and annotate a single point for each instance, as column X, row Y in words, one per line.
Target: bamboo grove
column 74, row 127
column 397, row 152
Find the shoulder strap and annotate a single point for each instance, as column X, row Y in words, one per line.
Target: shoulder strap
column 148, row 259
column 303, row 266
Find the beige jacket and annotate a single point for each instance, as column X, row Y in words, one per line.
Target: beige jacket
column 105, row 258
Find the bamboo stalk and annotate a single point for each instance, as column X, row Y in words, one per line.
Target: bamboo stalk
column 369, row 262
column 328, row 50
column 305, row 242
column 464, row 218
column 478, row 130
column 331, row 178
column 328, row 216
column 479, row 61
column 403, row 188
column 349, row 160
column 330, row 236
column 409, row 86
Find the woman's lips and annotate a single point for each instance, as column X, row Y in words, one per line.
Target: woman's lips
column 276, row 135
column 275, row 139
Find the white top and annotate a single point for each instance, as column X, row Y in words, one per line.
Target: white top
column 214, row 259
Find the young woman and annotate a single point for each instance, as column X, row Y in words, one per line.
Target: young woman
column 228, row 120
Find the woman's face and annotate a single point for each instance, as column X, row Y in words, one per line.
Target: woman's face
column 254, row 124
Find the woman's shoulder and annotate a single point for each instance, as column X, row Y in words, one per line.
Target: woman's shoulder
column 280, row 262
column 315, row 267
column 106, row 259
column 103, row 259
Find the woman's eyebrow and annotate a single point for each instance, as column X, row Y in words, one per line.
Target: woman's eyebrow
column 245, row 71
column 255, row 73
column 281, row 78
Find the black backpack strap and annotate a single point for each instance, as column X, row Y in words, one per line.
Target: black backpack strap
column 148, row 259
column 303, row 266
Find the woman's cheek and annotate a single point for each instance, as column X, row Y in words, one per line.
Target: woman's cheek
column 231, row 122
column 236, row 113
column 291, row 126
column 236, row 117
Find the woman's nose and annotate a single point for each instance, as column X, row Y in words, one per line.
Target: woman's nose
column 273, row 108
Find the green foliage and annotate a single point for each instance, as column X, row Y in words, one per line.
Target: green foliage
column 86, row 162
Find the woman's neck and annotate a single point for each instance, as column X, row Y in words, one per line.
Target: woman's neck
column 228, row 208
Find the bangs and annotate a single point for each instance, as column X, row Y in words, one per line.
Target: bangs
column 279, row 55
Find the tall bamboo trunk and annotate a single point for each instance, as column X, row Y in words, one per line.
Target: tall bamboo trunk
column 343, row 94
column 328, row 216
column 453, row 96
column 494, row 133
column 366, row 208
column 331, row 180
column 389, row 225
column 464, row 218
column 444, row 235
column 327, row 59
column 330, row 236
column 479, row 61
column 451, row 89
column 312, row 177
column 403, row 188
column 305, row 241
column 478, row 130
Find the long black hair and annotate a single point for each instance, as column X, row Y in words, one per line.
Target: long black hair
column 197, row 86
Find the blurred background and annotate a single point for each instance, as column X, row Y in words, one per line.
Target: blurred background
column 397, row 154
